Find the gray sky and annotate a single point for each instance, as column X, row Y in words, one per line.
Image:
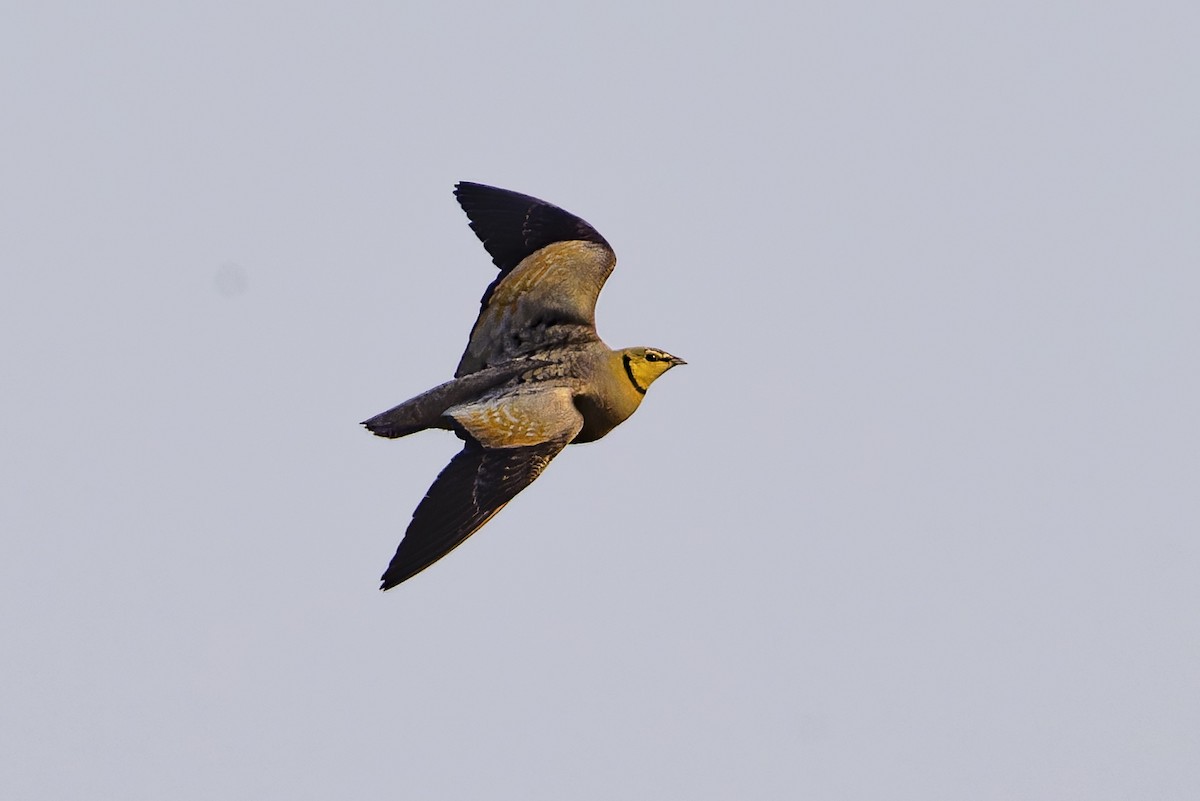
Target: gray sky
column 918, row 521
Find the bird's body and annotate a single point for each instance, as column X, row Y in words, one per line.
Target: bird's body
column 534, row 378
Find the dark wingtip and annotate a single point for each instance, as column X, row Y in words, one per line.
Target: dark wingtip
column 394, row 578
column 512, row 226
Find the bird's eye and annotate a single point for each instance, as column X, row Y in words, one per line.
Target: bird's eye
column 652, row 357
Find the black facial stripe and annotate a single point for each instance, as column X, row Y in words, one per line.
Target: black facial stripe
column 629, row 372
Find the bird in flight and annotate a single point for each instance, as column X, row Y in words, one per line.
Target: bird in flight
column 534, row 378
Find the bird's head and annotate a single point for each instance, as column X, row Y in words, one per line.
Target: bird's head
column 644, row 365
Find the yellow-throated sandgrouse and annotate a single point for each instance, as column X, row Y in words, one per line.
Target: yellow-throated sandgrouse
column 535, row 377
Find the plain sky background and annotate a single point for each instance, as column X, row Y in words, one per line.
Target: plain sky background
column 918, row 521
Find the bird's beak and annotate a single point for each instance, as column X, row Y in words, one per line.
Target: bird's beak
column 676, row 361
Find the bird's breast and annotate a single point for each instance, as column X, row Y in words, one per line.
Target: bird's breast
column 597, row 419
column 604, row 407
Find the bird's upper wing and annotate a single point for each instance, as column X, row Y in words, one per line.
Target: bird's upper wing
column 484, row 477
column 552, row 267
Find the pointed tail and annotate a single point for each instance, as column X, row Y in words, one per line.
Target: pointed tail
column 425, row 410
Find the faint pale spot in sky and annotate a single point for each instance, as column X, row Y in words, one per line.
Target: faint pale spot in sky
column 230, row 280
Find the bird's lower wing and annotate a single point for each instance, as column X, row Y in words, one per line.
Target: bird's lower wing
column 476, row 485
